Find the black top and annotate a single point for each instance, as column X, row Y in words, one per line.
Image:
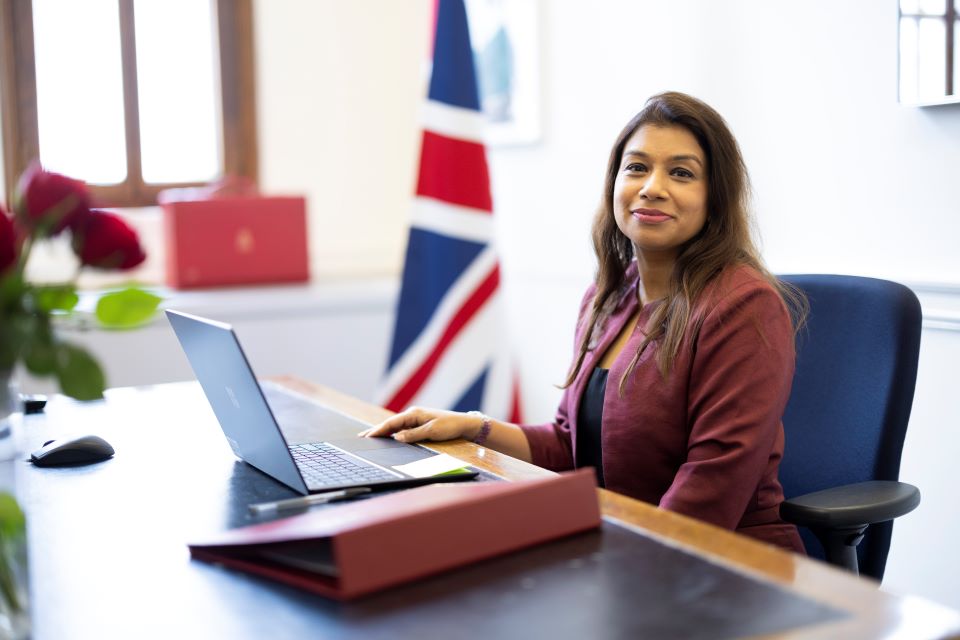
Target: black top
column 589, row 418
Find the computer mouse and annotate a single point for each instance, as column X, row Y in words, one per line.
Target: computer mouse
column 73, row 451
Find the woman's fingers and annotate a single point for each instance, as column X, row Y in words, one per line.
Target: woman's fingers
column 417, row 424
column 411, row 418
column 416, row 434
column 385, row 428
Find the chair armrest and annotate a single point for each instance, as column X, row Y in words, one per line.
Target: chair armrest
column 852, row 505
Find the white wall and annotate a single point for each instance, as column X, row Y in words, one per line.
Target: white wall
column 332, row 333
column 845, row 179
column 338, row 86
column 923, row 558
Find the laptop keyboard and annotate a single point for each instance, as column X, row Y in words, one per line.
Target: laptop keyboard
column 323, row 465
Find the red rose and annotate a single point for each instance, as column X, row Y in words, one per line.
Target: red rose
column 49, row 201
column 104, row 240
column 8, row 241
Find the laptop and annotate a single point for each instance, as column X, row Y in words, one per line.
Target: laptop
column 254, row 416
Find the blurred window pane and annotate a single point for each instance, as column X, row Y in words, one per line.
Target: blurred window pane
column 925, row 7
column 908, row 60
column 79, row 89
column 933, row 7
column 931, row 59
column 178, row 90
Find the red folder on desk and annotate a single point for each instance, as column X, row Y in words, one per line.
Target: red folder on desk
column 352, row 550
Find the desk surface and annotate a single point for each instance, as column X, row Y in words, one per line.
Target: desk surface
column 108, row 554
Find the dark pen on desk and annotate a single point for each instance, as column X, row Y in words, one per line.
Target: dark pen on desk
column 307, row 501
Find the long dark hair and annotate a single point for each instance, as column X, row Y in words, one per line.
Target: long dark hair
column 725, row 239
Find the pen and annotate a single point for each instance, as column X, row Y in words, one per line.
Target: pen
column 306, row 501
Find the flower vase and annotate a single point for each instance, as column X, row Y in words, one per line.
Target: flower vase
column 11, row 417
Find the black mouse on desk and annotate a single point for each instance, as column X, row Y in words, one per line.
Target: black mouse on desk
column 73, row 451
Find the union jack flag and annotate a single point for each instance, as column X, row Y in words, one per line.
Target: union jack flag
column 449, row 346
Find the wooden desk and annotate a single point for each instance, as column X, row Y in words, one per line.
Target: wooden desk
column 108, row 554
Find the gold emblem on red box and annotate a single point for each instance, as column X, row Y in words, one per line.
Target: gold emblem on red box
column 244, row 241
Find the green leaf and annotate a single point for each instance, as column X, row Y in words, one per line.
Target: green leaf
column 79, row 374
column 39, row 350
column 127, row 308
column 62, row 297
column 38, row 345
column 11, row 290
column 12, row 521
column 15, row 329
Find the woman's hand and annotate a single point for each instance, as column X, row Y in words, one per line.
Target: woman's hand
column 417, row 423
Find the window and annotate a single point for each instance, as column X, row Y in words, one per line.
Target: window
column 132, row 96
column 928, row 51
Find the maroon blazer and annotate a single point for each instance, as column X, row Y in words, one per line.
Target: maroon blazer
column 705, row 441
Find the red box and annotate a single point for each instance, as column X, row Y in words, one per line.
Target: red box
column 369, row 542
column 235, row 240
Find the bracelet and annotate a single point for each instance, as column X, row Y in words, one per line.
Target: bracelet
column 481, row 436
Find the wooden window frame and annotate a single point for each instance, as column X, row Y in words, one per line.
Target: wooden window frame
column 18, row 92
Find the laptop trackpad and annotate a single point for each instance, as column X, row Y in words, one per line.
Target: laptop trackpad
column 386, row 452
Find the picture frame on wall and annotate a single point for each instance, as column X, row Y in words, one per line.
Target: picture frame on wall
column 504, row 35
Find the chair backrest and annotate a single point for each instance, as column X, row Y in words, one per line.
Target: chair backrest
column 852, row 393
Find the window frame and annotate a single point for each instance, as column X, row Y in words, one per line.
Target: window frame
column 18, row 100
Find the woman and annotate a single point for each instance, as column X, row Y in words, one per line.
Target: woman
column 684, row 346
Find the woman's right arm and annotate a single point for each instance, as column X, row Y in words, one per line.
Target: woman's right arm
column 547, row 445
column 417, row 423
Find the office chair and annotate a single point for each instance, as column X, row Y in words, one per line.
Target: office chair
column 847, row 417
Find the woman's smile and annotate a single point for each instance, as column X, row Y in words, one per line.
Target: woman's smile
column 650, row 216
